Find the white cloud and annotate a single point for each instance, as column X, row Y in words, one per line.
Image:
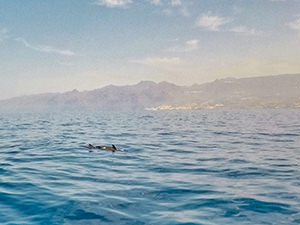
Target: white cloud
column 45, row 48
column 295, row 25
column 3, row 34
column 245, row 30
column 170, row 2
column 158, row 61
column 175, row 2
column 212, row 23
column 188, row 46
column 113, row 3
column 155, row 2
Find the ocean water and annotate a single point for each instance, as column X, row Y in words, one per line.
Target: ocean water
column 176, row 167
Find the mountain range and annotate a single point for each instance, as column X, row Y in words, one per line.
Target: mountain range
column 280, row 91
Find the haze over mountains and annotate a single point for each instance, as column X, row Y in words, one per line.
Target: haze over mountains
column 280, row 91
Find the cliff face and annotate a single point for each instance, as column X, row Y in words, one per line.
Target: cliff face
column 281, row 91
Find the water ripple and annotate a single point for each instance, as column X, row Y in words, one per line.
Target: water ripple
column 196, row 167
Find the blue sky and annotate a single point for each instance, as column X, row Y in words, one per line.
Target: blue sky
column 60, row 45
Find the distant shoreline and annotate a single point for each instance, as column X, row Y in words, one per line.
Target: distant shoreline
column 268, row 92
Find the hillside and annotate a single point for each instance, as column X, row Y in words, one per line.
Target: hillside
column 281, row 91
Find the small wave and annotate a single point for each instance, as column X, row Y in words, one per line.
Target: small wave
column 177, row 168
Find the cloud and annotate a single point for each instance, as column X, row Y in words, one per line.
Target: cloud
column 45, row 48
column 170, row 2
column 175, row 2
column 113, row 3
column 3, row 34
column 155, row 2
column 295, row 25
column 158, row 61
column 188, row 46
column 211, row 23
column 244, row 30
column 214, row 23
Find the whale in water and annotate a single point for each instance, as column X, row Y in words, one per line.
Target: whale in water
column 103, row 147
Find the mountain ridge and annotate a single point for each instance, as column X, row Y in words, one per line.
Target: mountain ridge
column 275, row 91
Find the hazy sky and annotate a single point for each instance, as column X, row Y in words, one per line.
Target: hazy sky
column 59, row 45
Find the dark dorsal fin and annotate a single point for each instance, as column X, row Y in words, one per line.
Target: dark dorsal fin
column 90, row 146
column 114, row 147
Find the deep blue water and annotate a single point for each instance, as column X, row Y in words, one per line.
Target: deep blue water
column 187, row 167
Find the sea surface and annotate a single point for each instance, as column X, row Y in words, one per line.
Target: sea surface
column 176, row 167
